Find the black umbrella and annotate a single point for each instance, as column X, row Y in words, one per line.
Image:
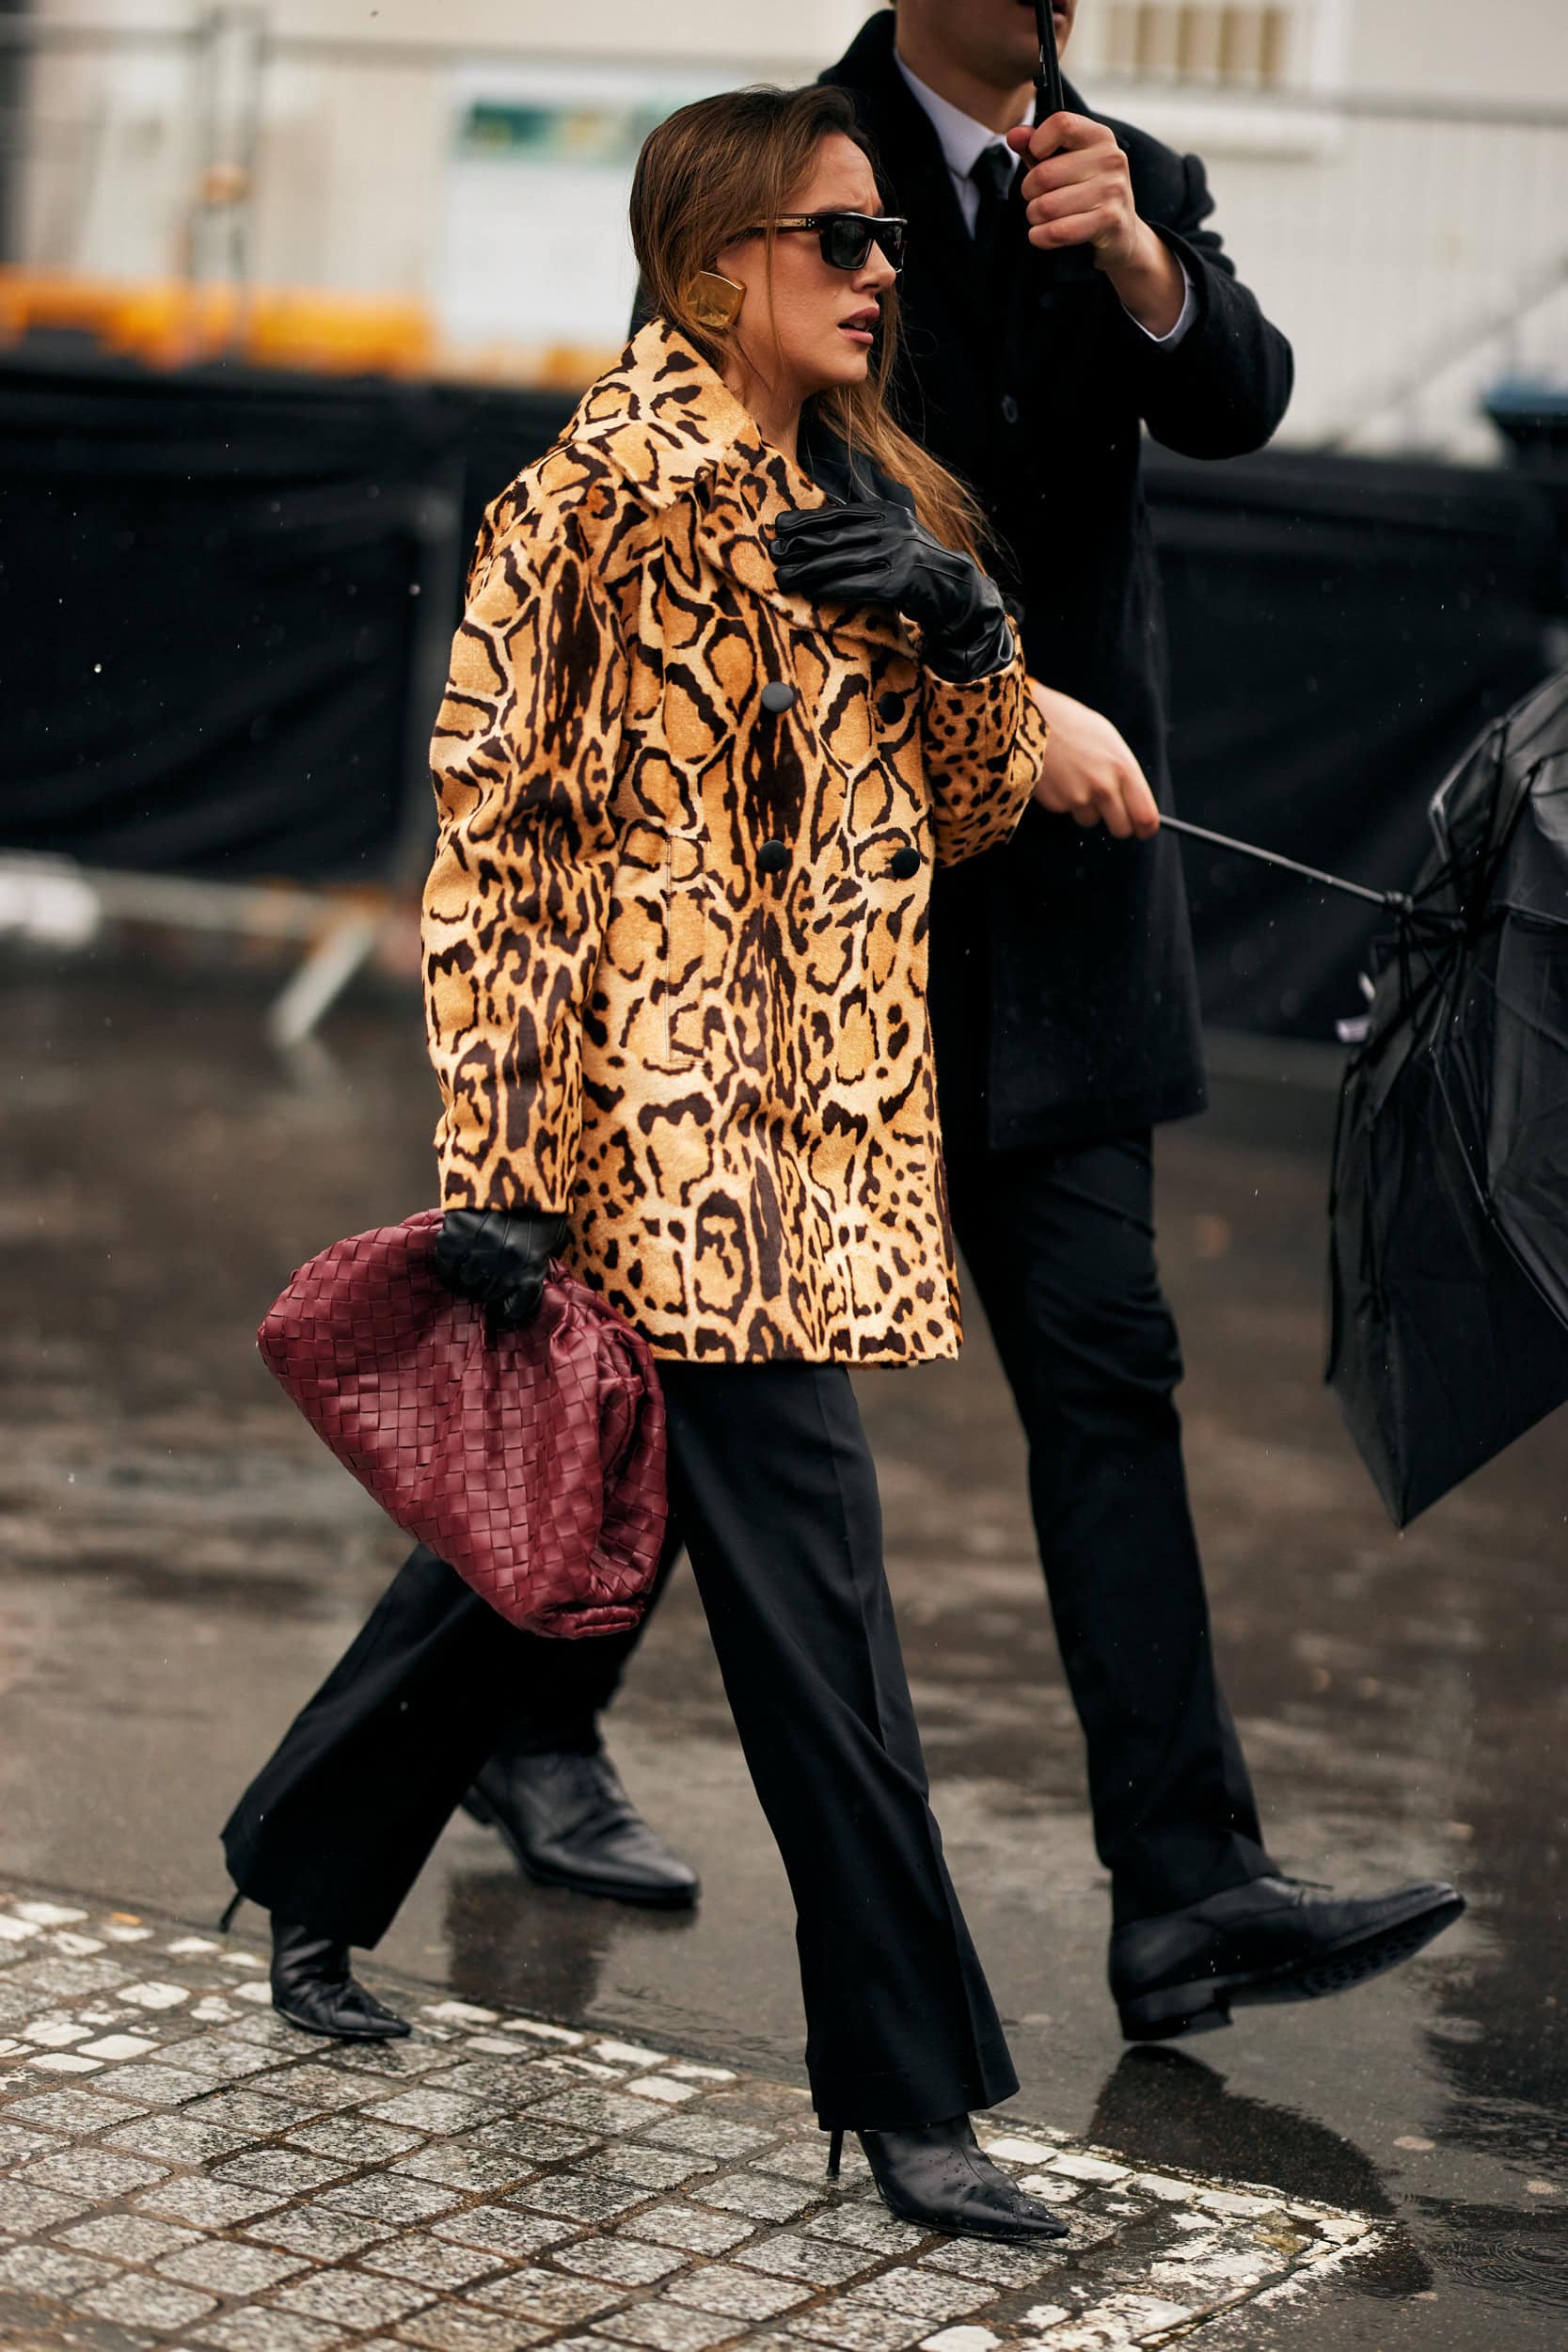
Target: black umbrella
column 1448, row 1211
column 1048, row 82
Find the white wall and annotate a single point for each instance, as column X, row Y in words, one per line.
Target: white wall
column 787, row 33
column 354, row 158
column 1509, row 49
column 1385, row 247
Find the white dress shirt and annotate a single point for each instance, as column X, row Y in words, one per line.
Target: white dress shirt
column 964, row 142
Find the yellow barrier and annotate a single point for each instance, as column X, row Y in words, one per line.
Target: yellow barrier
column 172, row 323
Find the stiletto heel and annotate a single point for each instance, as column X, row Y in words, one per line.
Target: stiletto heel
column 835, row 2150
column 228, row 1919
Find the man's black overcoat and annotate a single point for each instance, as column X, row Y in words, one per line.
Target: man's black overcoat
column 1062, row 967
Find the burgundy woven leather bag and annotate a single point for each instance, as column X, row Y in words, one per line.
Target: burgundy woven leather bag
column 532, row 1459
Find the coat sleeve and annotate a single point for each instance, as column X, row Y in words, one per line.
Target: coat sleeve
column 523, row 763
column 983, row 744
column 1225, row 387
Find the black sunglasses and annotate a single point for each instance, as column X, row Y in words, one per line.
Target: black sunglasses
column 846, row 238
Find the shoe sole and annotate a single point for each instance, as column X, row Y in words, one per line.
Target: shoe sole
column 325, row 2033
column 541, row 1875
column 1205, row 2005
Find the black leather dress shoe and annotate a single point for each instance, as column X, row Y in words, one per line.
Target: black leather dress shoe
column 938, row 2176
column 1272, row 1939
column 569, row 1822
column 312, row 1987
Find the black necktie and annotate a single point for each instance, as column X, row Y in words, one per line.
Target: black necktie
column 992, row 173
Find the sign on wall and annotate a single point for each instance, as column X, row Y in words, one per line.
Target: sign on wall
column 535, row 250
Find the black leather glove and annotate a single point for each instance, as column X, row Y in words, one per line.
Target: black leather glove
column 497, row 1257
column 874, row 552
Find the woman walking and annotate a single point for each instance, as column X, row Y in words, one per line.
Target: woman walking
column 728, row 680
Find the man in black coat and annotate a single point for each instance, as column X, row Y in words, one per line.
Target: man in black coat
column 1063, row 292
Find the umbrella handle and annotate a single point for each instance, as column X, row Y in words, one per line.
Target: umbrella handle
column 1397, row 902
column 1048, row 83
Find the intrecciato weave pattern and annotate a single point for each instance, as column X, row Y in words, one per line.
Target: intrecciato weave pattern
column 532, row 1460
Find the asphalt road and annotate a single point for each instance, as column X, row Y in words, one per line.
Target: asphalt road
column 179, row 1562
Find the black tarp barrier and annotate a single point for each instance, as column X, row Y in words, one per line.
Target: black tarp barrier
column 224, row 597
column 1340, row 629
column 214, row 590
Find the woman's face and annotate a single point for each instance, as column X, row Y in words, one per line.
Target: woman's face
column 820, row 325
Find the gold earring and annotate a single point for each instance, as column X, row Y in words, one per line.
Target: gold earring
column 714, row 301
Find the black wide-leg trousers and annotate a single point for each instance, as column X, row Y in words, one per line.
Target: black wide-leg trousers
column 774, row 1496
column 1059, row 1246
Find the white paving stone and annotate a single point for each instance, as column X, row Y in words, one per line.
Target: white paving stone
column 1235, row 2206
column 1169, row 2192
column 1010, row 2148
column 1096, row 2168
column 153, row 1996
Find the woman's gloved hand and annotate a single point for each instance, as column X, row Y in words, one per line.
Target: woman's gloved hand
column 874, row 552
column 497, row 1257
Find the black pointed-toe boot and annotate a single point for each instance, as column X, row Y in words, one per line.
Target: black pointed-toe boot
column 314, row 1987
column 938, row 2176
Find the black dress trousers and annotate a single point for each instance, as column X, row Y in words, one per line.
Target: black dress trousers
column 774, row 1496
column 1060, row 1248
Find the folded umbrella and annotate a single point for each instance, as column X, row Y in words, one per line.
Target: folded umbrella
column 1449, row 1206
column 1448, row 1256
column 532, row 1459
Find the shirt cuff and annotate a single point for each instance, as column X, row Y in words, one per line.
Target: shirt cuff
column 1189, row 312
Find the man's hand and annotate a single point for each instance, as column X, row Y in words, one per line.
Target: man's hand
column 1088, row 773
column 1079, row 191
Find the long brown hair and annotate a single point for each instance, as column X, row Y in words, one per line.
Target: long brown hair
column 717, row 168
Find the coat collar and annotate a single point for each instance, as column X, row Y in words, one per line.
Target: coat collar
column 664, row 418
column 666, row 421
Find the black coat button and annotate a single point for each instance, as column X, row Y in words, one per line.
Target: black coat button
column 777, row 694
column 890, row 709
column 772, row 857
column 904, row 864
column 1009, row 409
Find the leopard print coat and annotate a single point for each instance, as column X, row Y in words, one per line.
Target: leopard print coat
column 675, row 931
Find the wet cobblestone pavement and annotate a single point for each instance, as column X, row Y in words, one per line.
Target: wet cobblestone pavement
column 180, row 1563
column 178, row 2167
